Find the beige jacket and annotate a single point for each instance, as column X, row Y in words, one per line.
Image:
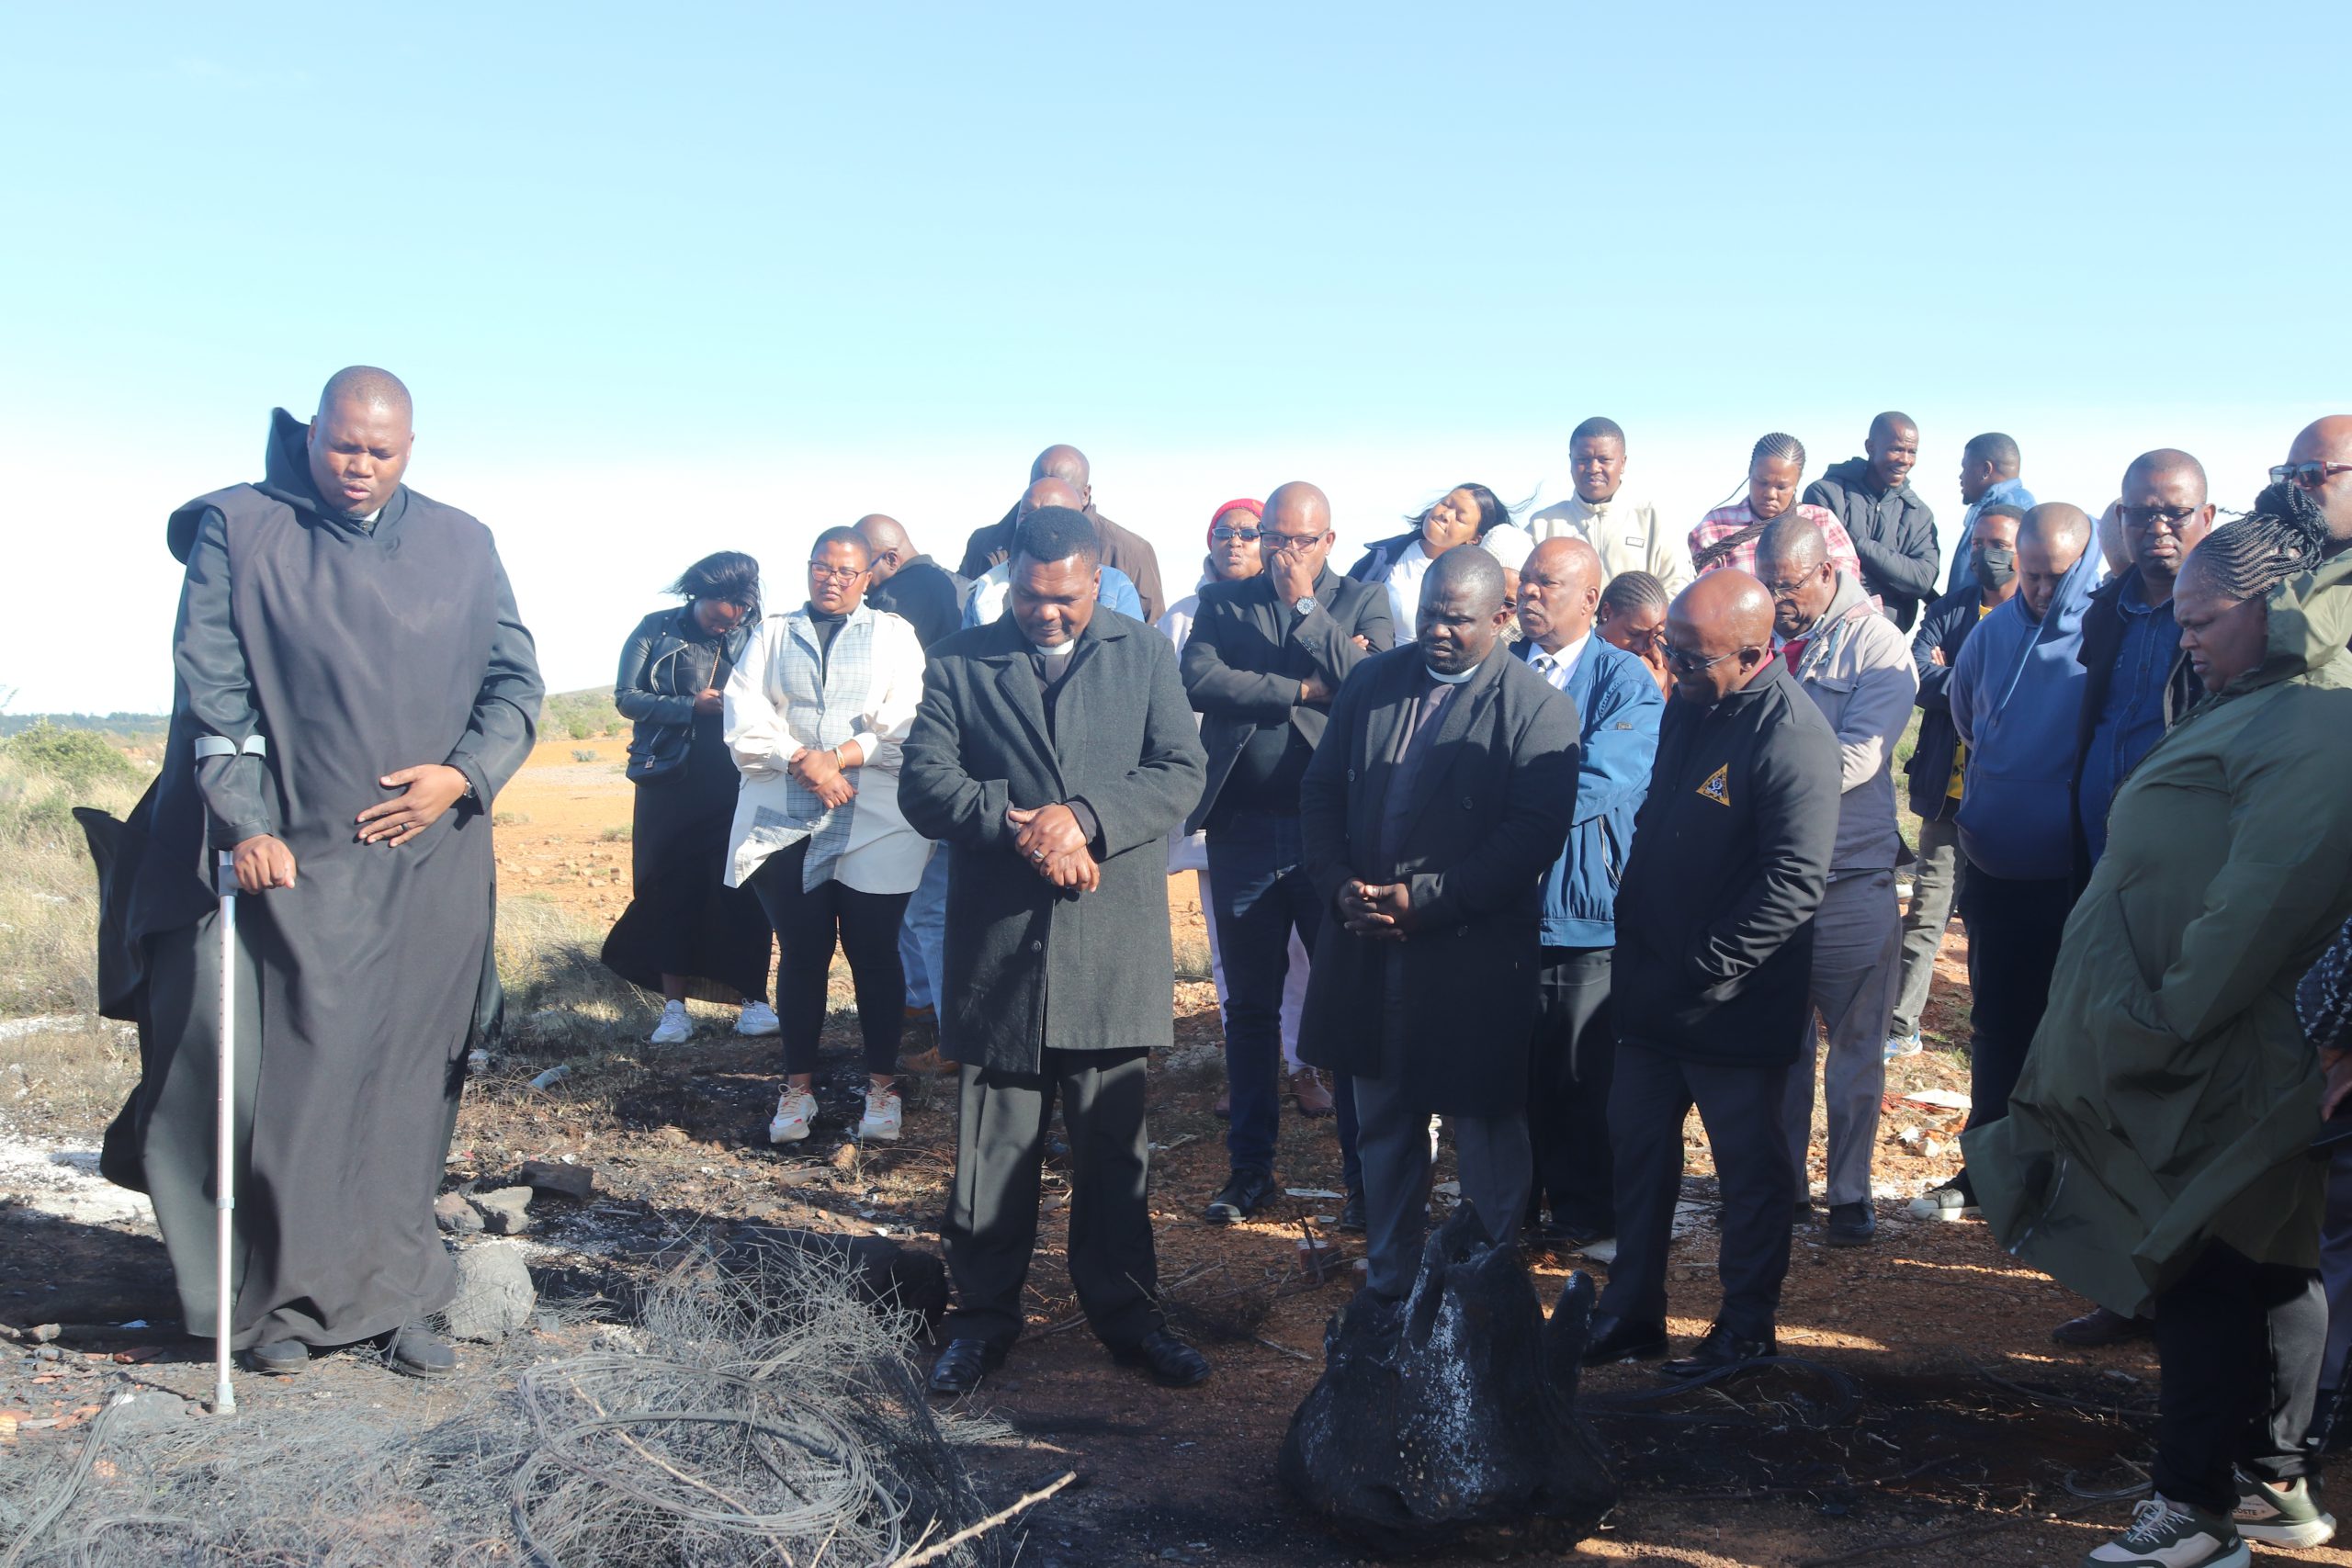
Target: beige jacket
column 1857, row 667
column 1623, row 531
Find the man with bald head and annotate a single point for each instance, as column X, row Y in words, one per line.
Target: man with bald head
column 2139, row 679
column 1730, row 856
column 1857, row 668
column 2321, row 461
column 354, row 685
column 1266, row 656
column 1129, row 554
column 908, row 584
column 1444, row 784
column 2014, row 694
column 1894, row 531
column 988, row 597
column 1575, row 1044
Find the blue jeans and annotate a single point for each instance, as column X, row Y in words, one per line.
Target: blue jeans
column 922, row 935
column 1258, row 881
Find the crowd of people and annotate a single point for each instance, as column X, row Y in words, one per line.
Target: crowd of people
column 1531, row 833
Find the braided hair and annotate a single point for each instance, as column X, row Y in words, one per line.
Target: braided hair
column 2284, row 536
column 1776, row 443
column 1632, row 592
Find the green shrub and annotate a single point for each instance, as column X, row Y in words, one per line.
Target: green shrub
column 81, row 760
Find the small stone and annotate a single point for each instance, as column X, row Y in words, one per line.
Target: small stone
column 844, row 1157
column 494, row 1294
column 573, row 1181
column 506, row 1211
column 673, row 1136
column 455, row 1215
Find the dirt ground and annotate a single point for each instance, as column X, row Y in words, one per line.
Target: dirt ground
column 1934, row 1423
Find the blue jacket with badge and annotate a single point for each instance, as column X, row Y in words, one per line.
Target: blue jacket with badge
column 1620, row 706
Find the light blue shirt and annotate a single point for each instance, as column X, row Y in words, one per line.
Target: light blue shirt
column 2004, row 492
column 988, row 595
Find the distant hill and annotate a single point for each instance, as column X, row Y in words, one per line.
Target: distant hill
column 130, row 725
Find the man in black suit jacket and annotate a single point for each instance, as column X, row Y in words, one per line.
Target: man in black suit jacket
column 1052, row 754
column 1266, row 656
column 1443, row 791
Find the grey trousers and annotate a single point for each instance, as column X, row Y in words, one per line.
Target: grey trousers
column 1935, row 878
column 2335, row 1268
column 1491, row 1156
column 1856, row 948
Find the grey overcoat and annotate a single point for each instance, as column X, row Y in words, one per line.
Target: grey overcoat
column 1029, row 967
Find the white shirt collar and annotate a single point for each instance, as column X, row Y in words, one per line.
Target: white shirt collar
column 1451, row 680
column 1057, row 650
column 1561, row 666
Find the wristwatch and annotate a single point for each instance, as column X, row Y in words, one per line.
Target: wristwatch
column 1304, row 605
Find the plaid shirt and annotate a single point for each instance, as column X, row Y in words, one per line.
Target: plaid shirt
column 1724, row 520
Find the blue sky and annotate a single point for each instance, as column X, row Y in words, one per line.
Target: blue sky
column 668, row 279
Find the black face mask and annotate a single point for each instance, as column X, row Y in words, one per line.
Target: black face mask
column 1994, row 568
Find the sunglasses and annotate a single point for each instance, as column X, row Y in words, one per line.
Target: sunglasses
column 1690, row 663
column 2311, row 476
column 2172, row 517
column 1223, row 534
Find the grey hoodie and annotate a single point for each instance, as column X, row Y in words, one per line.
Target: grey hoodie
column 1856, row 666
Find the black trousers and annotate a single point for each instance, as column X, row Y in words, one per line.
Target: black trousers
column 808, row 922
column 1741, row 1110
column 2240, row 1345
column 992, row 1229
column 1570, row 1064
column 2013, row 931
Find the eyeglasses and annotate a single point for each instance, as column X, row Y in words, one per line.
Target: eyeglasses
column 1786, row 590
column 2172, row 517
column 2311, row 476
column 1290, row 541
column 1688, row 662
column 818, row 568
column 1246, row 536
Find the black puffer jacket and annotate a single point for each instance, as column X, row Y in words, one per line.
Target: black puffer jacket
column 1894, row 535
column 1946, row 625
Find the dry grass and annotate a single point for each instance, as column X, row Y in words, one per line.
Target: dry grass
column 561, row 999
column 49, row 900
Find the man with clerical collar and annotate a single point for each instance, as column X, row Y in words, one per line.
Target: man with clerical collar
column 1575, row 1044
column 1623, row 529
column 1051, row 754
column 1444, row 784
column 355, row 811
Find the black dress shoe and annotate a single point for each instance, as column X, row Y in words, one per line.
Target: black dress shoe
column 1850, row 1225
column 1244, row 1193
column 962, row 1365
column 2099, row 1326
column 1351, row 1212
column 282, row 1357
column 1722, row 1347
column 1614, row 1339
column 420, row 1353
column 1170, row 1362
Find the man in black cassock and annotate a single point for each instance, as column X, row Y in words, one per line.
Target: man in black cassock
column 354, row 685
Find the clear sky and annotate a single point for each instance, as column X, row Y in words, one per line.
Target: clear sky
column 667, row 279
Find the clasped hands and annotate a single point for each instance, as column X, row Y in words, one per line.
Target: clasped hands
column 819, row 771
column 1380, row 910
column 1049, row 838
column 427, row 792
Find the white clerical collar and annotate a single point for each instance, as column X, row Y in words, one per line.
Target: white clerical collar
column 1056, row 650
column 1451, row 680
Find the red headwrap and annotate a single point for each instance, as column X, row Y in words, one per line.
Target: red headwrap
column 1254, row 508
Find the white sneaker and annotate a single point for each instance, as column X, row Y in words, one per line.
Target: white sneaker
column 2287, row 1516
column 1901, row 1045
column 882, row 1116
column 1946, row 1203
column 794, row 1112
column 676, row 1028
column 757, row 1018
column 2165, row 1534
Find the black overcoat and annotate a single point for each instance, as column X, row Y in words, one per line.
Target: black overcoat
column 1030, row 967
column 1495, row 798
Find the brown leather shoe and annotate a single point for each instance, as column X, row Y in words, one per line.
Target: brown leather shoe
column 1308, row 1092
column 928, row 1060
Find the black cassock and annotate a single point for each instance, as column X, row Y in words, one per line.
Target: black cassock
column 315, row 653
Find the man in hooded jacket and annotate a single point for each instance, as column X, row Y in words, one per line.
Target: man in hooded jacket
column 1894, row 531
column 354, row 686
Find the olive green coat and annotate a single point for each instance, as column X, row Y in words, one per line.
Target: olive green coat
column 2170, row 1094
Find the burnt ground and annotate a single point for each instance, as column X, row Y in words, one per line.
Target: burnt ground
column 1926, row 1416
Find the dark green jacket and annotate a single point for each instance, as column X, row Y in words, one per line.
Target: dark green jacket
column 2170, row 1092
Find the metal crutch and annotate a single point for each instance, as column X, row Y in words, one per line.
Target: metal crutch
column 224, row 1136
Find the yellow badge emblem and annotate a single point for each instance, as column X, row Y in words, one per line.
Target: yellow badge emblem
column 1718, row 786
